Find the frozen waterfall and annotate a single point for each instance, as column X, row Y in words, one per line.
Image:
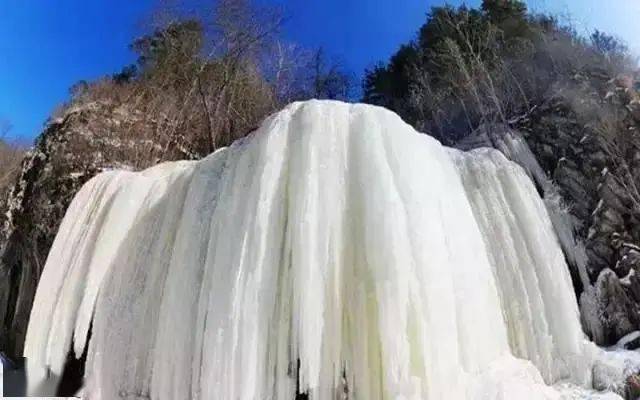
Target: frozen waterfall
column 335, row 252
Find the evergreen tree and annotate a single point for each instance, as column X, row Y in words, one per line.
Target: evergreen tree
column 500, row 11
column 510, row 16
column 174, row 46
column 470, row 67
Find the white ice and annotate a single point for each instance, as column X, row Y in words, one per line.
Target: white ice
column 335, row 251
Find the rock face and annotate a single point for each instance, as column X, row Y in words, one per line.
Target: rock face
column 69, row 152
column 586, row 142
column 618, row 310
column 595, row 163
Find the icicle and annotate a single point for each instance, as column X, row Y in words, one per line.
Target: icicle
column 333, row 251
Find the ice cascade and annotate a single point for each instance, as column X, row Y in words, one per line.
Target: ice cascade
column 334, row 252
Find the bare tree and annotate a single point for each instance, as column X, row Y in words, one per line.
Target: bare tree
column 206, row 78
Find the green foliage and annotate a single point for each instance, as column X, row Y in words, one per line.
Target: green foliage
column 499, row 11
column 387, row 85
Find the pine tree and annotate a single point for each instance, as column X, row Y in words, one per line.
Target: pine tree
column 500, row 11
column 510, row 16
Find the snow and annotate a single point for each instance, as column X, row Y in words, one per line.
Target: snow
column 630, row 337
column 612, row 368
column 335, row 250
column 627, row 279
column 513, row 145
column 631, row 246
column 539, row 306
column 598, row 207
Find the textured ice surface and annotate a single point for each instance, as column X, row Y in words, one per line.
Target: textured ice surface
column 335, row 251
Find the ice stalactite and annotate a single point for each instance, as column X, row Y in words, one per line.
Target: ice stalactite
column 514, row 146
column 334, row 251
column 540, row 309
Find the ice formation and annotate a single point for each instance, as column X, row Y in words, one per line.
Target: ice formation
column 335, row 252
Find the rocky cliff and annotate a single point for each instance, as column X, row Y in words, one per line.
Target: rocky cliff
column 71, row 150
column 582, row 148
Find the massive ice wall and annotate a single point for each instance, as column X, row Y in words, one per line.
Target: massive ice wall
column 335, row 252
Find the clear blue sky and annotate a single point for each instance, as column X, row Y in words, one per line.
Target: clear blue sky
column 47, row 45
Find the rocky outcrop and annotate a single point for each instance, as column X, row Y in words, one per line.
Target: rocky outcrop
column 588, row 142
column 69, row 152
column 618, row 311
column 585, row 143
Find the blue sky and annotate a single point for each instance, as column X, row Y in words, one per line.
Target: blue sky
column 47, row 45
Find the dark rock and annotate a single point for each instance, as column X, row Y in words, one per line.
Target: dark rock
column 597, row 170
column 628, row 263
column 634, row 109
column 632, row 344
column 634, row 287
column 14, row 377
column 596, row 177
column 618, row 310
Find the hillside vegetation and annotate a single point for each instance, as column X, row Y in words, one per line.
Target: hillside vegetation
column 200, row 82
column 469, row 67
